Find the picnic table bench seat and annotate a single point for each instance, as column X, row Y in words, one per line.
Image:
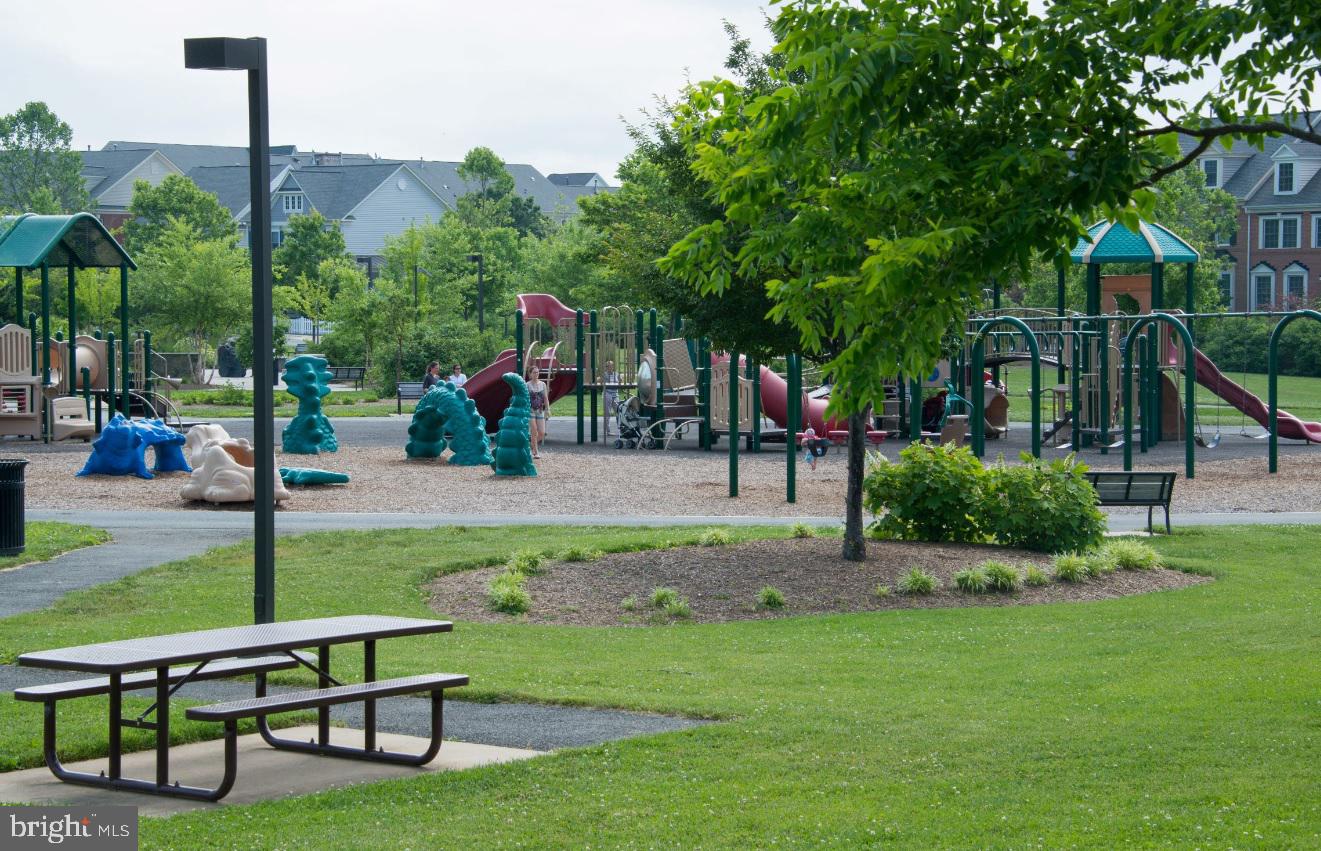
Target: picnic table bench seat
column 138, row 680
column 1146, row 489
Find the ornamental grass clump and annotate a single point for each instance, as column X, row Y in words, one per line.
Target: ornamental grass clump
column 917, row 582
column 505, row 593
column 526, row 562
column 715, row 538
column 770, row 597
column 580, row 554
column 1071, row 567
column 1000, row 576
column 662, row 597
column 971, row 580
column 678, row 609
column 802, row 530
column 1035, row 576
column 1132, row 555
column 1101, row 562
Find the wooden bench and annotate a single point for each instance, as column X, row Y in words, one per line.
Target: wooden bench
column 322, row 699
column 410, row 391
column 1153, row 490
column 353, row 374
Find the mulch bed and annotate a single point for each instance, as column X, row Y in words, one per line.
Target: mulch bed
column 721, row 583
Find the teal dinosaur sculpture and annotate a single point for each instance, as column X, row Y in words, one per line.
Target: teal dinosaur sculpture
column 310, row 476
column 309, row 432
column 513, row 445
column 446, row 409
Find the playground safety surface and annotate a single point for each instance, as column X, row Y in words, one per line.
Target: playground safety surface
column 721, row 583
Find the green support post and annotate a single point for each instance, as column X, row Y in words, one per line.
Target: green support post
column 704, row 392
column 45, row 325
column 87, row 390
column 1103, row 381
column 518, row 341
column 979, row 388
column 733, row 424
column 18, row 296
column 1272, row 379
column 1144, row 393
column 595, row 369
column 32, row 340
column 1190, row 296
column 977, row 394
column 791, row 432
column 1190, row 388
column 658, row 346
column 754, row 374
column 637, row 339
column 581, row 369
column 146, row 362
column 651, row 324
column 915, row 410
column 71, row 365
column 903, row 401
column 124, row 345
column 995, row 307
column 1059, row 311
column 1075, row 387
column 110, row 371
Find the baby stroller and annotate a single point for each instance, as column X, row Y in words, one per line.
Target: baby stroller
column 633, row 427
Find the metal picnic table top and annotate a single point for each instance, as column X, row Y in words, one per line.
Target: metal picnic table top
column 163, row 650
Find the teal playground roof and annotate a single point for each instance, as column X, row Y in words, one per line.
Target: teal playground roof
column 1112, row 242
column 29, row 240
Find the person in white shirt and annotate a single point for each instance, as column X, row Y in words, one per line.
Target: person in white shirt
column 456, row 376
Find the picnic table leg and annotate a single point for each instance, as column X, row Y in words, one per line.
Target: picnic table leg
column 115, row 712
column 323, row 681
column 163, row 726
column 369, row 706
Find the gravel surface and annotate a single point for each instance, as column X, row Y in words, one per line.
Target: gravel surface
column 626, row 484
column 721, row 583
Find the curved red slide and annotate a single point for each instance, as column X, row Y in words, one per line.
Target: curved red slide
column 1209, row 376
column 775, row 404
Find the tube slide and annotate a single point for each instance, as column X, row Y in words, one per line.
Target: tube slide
column 1210, row 377
column 775, row 404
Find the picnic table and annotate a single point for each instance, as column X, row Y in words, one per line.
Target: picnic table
column 141, row 663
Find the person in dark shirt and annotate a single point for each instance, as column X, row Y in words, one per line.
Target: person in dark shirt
column 432, row 377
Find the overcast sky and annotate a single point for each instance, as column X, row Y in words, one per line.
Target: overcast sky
column 545, row 83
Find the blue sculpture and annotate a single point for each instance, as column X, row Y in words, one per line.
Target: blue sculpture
column 309, row 476
column 447, row 409
column 309, row 432
column 168, row 444
column 118, row 451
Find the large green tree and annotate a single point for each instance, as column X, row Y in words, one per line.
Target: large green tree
column 38, row 171
column 176, row 197
column 926, row 146
column 308, row 241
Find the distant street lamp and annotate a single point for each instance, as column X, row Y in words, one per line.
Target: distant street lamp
column 481, row 292
column 249, row 54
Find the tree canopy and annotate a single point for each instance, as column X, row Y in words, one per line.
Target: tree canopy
column 175, row 197
column 38, row 171
column 309, row 240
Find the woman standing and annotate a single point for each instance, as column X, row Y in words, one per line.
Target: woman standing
column 539, row 402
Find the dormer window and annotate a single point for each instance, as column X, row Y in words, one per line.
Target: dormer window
column 1284, row 178
column 293, row 202
column 1210, row 168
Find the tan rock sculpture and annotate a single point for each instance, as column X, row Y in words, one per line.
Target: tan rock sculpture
column 225, row 474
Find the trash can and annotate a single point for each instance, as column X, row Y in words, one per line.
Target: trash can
column 11, row 506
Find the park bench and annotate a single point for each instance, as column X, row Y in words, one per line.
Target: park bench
column 348, row 374
column 211, row 654
column 1152, row 490
column 407, row 391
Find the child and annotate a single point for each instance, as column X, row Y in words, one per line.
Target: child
column 539, row 402
column 609, row 393
column 809, row 446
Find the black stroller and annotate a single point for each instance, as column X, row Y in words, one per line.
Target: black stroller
column 634, row 430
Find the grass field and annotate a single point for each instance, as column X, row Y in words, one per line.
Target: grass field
column 45, row 539
column 1184, row 718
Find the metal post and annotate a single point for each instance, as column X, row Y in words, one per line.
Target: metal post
column 995, row 307
column 733, row 424
column 71, row 364
column 45, row 325
column 32, row 340
column 124, row 346
column 87, row 390
column 1059, row 311
column 978, row 393
column 658, row 345
column 146, row 362
column 580, row 367
column 754, row 373
column 1190, row 296
column 18, row 295
column 518, row 341
column 110, row 372
column 595, row 368
column 915, row 409
column 704, row 392
column 1103, row 381
column 1144, row 392
column 637, row 339
column 791, row 433
column 651, row 324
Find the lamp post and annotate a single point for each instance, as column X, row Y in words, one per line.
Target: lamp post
column 481, row 292
column 249, row 54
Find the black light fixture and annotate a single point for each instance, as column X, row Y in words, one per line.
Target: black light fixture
column 249, row 54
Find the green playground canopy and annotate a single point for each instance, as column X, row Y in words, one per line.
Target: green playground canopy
column 1112, row 242
column 28, row 241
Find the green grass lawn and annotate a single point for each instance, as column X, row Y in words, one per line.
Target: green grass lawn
column 1185, row 718
column 45, row 539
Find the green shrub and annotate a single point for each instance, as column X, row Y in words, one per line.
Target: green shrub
column 934, row 493
column 715, row 538
column 1070, row 567
column 230, row 395
column 1046, row 506
column 917, row 581
column 770, row 597
column 802, row 530
column 1000, row 576
column 580, row 554
column 663, row 597
column 971, row 580
column 629, row 603
column 526, row 562
column 678, row 609
column 505, row 593
column 1035, row 576
column 881, row 592
column 1132, row 555
column 1100, row 562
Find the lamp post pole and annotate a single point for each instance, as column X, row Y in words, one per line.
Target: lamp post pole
column 481, row 292
column 249, row 54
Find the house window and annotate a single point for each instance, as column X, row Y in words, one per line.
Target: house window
column 1295, row 283
column 277, row 237
column 1211, row 168
column 1263, row 289
column 1316, row 230
column 293, row 203
column 1280, row 231
column 1227, row 288
column 1284, row 178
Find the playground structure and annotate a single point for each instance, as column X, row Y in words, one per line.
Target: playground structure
column 38, row 371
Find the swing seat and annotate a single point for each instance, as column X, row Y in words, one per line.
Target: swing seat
column 1207, row 444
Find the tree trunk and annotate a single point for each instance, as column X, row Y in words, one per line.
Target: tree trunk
column 855, row 543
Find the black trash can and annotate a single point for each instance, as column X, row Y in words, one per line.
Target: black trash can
column 12, row 539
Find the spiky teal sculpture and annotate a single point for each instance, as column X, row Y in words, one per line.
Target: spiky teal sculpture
column 446, row 408
column 309, row 432
column 513, row 444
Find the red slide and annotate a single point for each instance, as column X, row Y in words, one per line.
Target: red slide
column 775, row 404
column 1210, row 377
